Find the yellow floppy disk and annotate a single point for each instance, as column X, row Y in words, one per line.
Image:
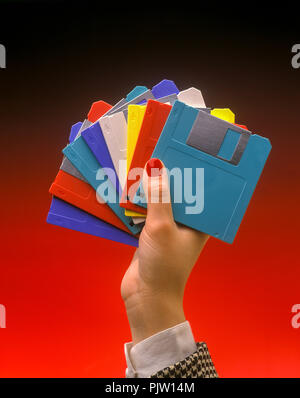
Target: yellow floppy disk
column 134, row 122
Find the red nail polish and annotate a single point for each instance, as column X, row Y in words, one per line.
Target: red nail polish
column 154, row 167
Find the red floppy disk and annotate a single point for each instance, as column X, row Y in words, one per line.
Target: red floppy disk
column 154, row 120
column 82, row 195
column 79, row 193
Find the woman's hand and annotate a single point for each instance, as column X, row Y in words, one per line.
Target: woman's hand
column 153, row 286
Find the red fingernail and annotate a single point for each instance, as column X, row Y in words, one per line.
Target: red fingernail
column 154, row 167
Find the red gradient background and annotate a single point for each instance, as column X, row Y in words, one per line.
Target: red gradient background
column 61, row 289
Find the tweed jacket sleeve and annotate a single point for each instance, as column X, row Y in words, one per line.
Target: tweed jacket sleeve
column 197, row 365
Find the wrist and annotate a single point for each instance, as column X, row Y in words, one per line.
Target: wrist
column 150, row 315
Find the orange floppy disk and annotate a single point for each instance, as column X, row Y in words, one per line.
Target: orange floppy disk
column 78, row 192
column 154, row 120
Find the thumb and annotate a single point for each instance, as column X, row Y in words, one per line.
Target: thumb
column 156, row 188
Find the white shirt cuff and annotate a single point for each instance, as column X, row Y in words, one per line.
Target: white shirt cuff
column 159, row 351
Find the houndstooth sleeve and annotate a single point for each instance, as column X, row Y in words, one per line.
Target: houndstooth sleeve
column 199, row 364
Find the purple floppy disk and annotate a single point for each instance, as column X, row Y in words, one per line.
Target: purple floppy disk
column 65, row 215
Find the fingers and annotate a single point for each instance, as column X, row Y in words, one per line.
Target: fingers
column 156, row 188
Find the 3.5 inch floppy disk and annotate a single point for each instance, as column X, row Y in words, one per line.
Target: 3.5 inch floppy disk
column 67, row 216
column 153, row 122
column 134, row 120
column 223, row 162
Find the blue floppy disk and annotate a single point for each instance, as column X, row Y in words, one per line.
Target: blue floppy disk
column 65, row 215
column 223, row 162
